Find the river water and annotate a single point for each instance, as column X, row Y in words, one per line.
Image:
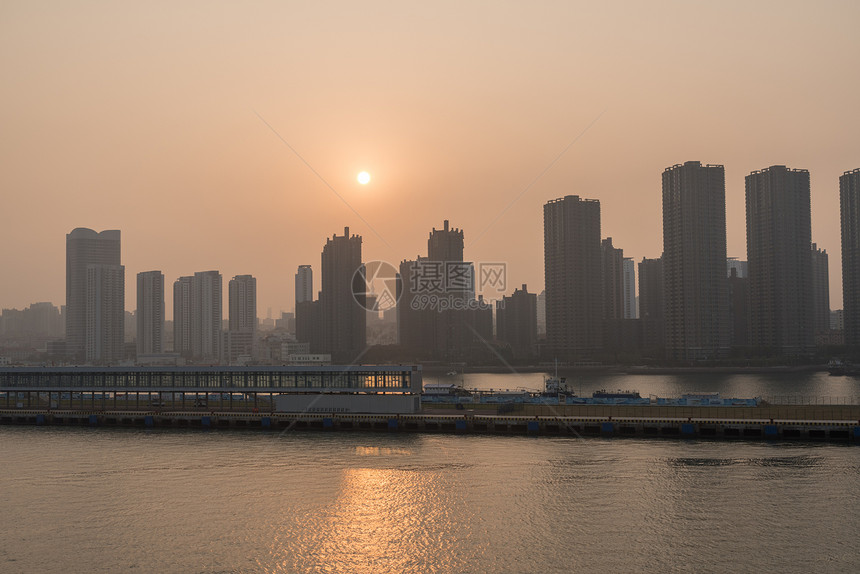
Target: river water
column 127, row 500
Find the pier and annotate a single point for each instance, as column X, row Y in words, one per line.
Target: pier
column 330, row 398
column 709, row 427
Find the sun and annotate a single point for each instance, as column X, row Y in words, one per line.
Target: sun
column 363, row 178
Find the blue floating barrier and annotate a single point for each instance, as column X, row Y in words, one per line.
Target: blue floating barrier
column 149, row 420
column 533, row 426
column 328, row 423
column 607, row 427
column 266, row 422
column 856, row 432
column 460, row 425
column 688, row 428
column 770, row 430
column 206, row 421
column 94, row 419
column 40, row 419
column 392, row 424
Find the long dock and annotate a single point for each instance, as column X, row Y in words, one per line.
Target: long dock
column 333, row 398
column 689, row 427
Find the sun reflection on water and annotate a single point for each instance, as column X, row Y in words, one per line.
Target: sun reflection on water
column 384, row 520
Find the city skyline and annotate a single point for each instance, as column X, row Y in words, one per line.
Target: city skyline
column 449, row 122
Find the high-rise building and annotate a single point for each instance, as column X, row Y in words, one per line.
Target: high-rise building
column 516, row 323
column 150, row 313
column 39, row 320
column 105, row 313
column 452, row 323
column 694, row 262
column 206, row 315
column 182, row 301
column 651, row 304
column 612, row 260
column 416, row 321
column 94, row 321
column 849, row 211
column 741, row 268
column 779, row 232
column 820, row 290
column 629, row 270
column 197, row 316
column 242, row 304
column 572, row 271
column 304, row 284
column 541, row 313
column 342, row 305
column 739, row 308
column 445, row 244
column 651, row 288
column 308, row 327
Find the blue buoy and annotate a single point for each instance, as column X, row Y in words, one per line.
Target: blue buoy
column 266, row 422
column 688, row 428
column 328, row 423
column 533, row 426
column 607, row 427
column 94, row 419
column 771, row 430
column 392, row 424
column 460, row 425
column 40, row 419
column 149, row 421
column 206, row 421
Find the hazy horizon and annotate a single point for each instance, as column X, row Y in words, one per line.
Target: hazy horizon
column 157, row 119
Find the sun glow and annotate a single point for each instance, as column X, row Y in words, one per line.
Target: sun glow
column 363, row 178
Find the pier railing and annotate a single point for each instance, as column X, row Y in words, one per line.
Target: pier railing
column 814, row 400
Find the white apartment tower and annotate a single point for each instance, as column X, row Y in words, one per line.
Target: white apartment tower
column 94, row 320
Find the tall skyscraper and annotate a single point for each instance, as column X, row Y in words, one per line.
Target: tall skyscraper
column 541, row 313
column 741, row 268
column 849, row 211
column 651, row 290
column 820, row 290
column 150, row 313
column 572, row 271
column 516, row 323
column 694, row 261
column 612, row 260
column 95, row 295
column 651, row 317
column 342, row 305
column 182, row 302
column 239, row 339
column 304, row 284
column 197, row 312
column 739, row 308
column 105, row 313
column 206, row 314
column 629, row 270
column 445, row 244
column 454, row 326
column 779, row 232
column 243, row 304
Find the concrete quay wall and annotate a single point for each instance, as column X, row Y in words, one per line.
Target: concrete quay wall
column 678, row 426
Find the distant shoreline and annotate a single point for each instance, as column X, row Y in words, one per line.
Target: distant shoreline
column 623, row 370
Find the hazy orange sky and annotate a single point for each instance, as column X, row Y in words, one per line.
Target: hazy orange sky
column 143, row 117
